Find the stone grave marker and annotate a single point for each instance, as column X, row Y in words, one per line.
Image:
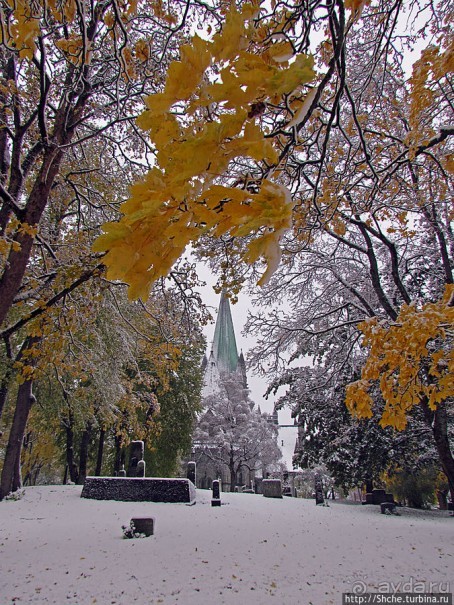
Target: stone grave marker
column 258, row 485
column 143, row 525
column 319, row 498
column 191, row 472
column 216, row 498
column 388, row 508
column 272, row 488
column 136, row 451
column 141, row 468
column 378, row 496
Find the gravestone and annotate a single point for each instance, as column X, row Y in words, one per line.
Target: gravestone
column 272, row 488
column 258, row 485
column 143, row 525
column 216, row 497
column 319, row 497
column 287, row 490
column 191, row 472
column 122, row 472
column 388, row 508
column 378, row 496
column 141, row 468
column 136, row 451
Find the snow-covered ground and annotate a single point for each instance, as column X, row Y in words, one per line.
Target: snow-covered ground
column 58, row 548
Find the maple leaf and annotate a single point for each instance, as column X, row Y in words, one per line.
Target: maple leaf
column 397, row 355
column 181, row 198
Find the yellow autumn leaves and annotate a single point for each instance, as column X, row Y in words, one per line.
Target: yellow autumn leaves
column 411, row 360
column 23, row 22
column 435, row 64
column 202, row 121
column 20, row 21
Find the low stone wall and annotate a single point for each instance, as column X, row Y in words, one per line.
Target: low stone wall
column 132, row 489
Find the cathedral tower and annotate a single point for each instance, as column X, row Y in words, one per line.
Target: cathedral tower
column 224, row 360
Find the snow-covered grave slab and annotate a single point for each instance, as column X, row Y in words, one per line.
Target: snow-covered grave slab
column 143, row 489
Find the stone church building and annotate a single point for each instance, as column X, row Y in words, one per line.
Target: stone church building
column 224, row 366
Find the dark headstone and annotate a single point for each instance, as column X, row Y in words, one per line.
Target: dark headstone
column 388, row 507
column 191, row 472
column 136, row 451
column 143, row 525
column 378, row 496
column 141, row 468
column 272, row 488
column 134, row 489
column 216, row 498
column 319, row 497
column 122, row 472
column 258, row 485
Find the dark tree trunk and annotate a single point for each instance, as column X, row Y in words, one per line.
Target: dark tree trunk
column 440, row 432
column 102, row 436
column 442, row 499
column 31, row 478
column 233, row 471
column 232, row 478
column 19, row 255
column 369, row 485
column 36, row 475
column 72, row 466
column 3, row 394
column 17, row 476
column 438, row 421
column 11, row 476
column 120, row 455
column 4, row 384
column 83, row 453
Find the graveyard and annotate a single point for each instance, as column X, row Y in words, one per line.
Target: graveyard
column 57, row 547
column 160, row 163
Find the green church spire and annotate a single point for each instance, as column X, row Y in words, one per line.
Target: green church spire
column 224, row 344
